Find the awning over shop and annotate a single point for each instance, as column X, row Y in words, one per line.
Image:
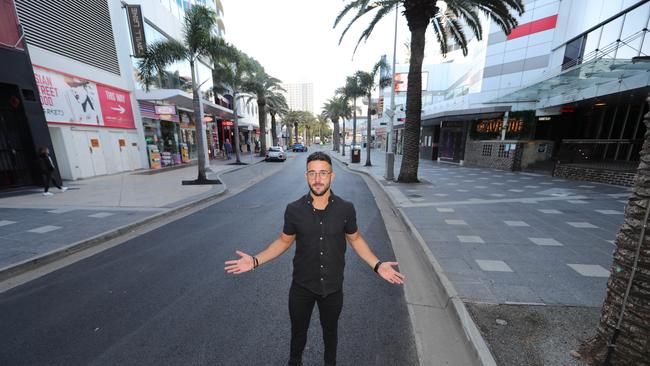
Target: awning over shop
column 590, row 79
column 464, row 115
column 183, row 100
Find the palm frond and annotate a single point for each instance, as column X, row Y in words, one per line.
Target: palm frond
column 368, row 31
column 160, row 55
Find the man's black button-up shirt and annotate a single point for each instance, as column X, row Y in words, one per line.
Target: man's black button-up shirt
column 320, row 242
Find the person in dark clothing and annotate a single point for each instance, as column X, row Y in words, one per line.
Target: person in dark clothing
column 227, row 147
column 320, row 223
column 47, row 169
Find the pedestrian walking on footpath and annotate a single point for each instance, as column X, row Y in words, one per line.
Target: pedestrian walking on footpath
column 227, row 147
column 47, row 170
column 320, row 223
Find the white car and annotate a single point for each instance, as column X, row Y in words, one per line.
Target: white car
column 275, row 153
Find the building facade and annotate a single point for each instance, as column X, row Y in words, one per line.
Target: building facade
column 300, row 96
column 566, row 87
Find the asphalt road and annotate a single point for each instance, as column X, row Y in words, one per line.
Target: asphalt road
column 163, row 298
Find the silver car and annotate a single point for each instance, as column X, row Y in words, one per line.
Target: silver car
column 276, row 153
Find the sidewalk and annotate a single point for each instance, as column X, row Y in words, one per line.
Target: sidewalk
column 33, row 225
column 513, row 238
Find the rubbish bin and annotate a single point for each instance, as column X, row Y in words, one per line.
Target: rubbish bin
column 356, row 155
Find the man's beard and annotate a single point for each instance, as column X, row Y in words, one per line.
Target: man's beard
column 325, row 186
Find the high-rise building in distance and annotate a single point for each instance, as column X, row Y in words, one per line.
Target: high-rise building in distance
column 300, row 96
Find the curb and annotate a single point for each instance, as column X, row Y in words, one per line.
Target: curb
column 459, row 311
column 56, row 254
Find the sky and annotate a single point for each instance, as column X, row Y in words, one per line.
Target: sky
column 295, row 42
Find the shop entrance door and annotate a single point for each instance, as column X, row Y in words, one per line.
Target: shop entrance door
column 450, row 144
column 116, row 162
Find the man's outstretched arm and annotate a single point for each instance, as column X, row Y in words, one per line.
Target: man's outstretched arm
column 385, row 269
column 246, row 262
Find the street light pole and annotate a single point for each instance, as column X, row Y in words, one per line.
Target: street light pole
column 390, row 155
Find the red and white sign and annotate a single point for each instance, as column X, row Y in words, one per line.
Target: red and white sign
column 116, row 107
column 70, row 99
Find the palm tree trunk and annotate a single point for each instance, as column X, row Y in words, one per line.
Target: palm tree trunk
column 409, row 169
column 632, row 339
column 201, row 138
column 336, row 136
column 354, row 123
column 236, row 123
column 261, row 108
column 368, row 132
column 344, row 136
column 295, row 125
column 274, row 133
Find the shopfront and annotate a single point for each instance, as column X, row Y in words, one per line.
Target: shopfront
column 162, row 134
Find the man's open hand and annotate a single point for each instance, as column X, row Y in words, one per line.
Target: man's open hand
column 387, row 272
column 244, row 264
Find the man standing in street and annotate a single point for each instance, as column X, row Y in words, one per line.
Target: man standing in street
column 319, row 222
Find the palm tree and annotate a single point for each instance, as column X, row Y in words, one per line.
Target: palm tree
column 351, row 91
column 366, row 81
column 229, row 73
column 449, row 23
column 623, row 332
column 276, row 104
column 198, row 42
column 330, row 111
column 321, row 124
column 263, row 86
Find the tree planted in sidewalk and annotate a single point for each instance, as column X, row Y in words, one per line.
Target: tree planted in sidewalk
column 623, row 333
column 228, row 75
column 366, row 80
column 263, row 86
column 277, row 106
column 451, row 20
column 198, row 43
column 351, row 92
column 336, row 108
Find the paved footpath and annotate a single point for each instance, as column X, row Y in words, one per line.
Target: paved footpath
column 528, row 254
column 511, row 237
column 32, row 225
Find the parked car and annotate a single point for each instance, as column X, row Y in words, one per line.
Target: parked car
column 275, row 153
column 299, row 147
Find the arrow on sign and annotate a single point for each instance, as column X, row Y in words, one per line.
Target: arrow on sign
column 119, row 109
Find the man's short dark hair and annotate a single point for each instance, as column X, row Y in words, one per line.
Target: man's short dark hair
column 319, row 155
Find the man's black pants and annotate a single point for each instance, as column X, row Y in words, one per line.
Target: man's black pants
column 301, row 305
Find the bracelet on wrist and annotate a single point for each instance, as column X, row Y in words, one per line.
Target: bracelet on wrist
column 377, row 266
column 256, row 263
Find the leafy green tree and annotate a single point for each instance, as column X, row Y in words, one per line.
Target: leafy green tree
column 229, row 74
column 276, row 105
column 366, row 80
column 198, row 42
column 263, row 86
column 450, row 23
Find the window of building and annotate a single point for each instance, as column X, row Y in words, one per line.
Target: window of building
column 487, row 150
column 503, row 153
